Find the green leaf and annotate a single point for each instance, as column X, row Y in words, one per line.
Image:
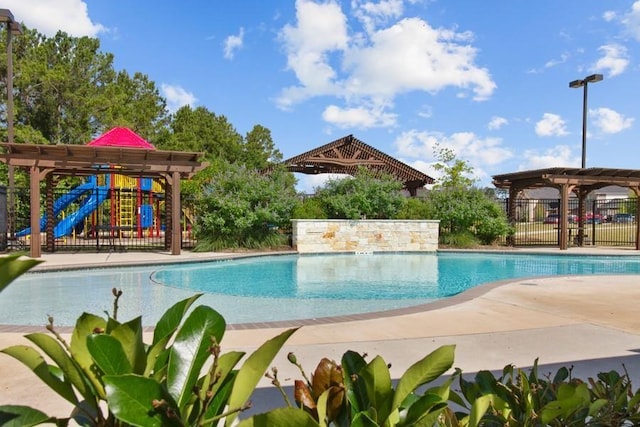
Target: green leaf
column 190, row 350
column 108, row 355
column 426, row 370
column 377, row 379
column 11, row 267
column 352, row 363
column 34, row 361
column 131, row 399
column 423, row 407
column 171, row 319
column 86, row 325
column 253, row 369
column 282, row 417
column 72, row 372
column 22, row 416
column 478, row 409
column 130, row 336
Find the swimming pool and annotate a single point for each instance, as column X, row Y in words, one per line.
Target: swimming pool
column 283, row 287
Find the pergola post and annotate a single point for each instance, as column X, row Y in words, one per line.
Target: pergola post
column 636, row 191
column 176, row 231
column 565, row 189
column 34, row 187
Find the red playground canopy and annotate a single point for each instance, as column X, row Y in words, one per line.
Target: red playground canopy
column 121, row 137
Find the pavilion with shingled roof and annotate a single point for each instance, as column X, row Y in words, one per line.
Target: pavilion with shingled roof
column 119, row 148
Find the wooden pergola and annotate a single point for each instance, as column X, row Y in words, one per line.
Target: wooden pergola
column 347, row 154
column 46, row 161
column 567, row 180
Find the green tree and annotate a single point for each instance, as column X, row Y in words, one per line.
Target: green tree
column 135, row 103
column 259, row 150
column 467, row 214
column 365, row 195
column 61, row 85
column 202, row 130
column 243, row 208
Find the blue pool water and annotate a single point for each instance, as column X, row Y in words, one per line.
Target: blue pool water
column 273, row 288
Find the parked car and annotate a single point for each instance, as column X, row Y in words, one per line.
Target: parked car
column 591, row 218
column 623, row 218
column 553, row 219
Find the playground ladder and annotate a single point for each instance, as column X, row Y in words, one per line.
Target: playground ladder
column 126, row 212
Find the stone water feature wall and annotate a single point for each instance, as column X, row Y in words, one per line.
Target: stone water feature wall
column 322, row 235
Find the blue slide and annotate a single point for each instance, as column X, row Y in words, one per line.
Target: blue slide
column 65, row 226
column 60, row 204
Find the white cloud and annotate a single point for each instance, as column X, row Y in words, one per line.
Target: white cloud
column 552, row 63
column 631, row 20
column 610, row 121
column 358, row 117
column 551, row 125
column 320, row 29
column 233, row 43
column 372, row 14
column 615, row 59
column 177, row 97
column 49, row 17
column 374, row 68
column 497, row 122
column 465, row 145
column 609, row 15
column 558, row 156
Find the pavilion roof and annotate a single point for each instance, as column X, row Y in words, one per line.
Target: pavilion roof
column 346, row 154
column 121, row 137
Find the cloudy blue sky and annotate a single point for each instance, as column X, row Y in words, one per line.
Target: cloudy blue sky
column 488, row 79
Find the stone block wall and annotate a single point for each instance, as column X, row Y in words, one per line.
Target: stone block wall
column 321, row 235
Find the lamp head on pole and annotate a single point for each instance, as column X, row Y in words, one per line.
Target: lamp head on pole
column 589, row 79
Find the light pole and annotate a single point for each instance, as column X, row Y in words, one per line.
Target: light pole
column 584, row 83
column 12, row 28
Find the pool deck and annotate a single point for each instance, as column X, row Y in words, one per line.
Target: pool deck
column 561, row 320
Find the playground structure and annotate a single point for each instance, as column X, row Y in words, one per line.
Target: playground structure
column 131, row 191
column 121, row 206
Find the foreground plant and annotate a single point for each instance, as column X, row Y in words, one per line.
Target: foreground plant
column 357, row 393
column 179, row 379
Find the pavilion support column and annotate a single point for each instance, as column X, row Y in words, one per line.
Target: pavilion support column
column 636, row 191
column 565, row 189
column 176, row 231
column 511, row 212
column 34, row 190
column 49, row 237
column 582, row 214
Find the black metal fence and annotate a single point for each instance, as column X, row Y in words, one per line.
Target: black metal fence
column 99, row 219
column 604, row 222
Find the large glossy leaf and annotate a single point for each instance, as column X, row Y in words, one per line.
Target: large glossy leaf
column 377, row 378
column 130, row 336
column 34, row 361
column 283, row 417
column 69, row 368
column 87, row 324
column 253, row 369
column 190, row 350
column 154, row 353
column 424, row 408
column 21, row 416
column 12, row 266
column 131, row 398
column 426, row 370
column 352, row 363
column 171, row 319
column 479, row 408
column 108, row 355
